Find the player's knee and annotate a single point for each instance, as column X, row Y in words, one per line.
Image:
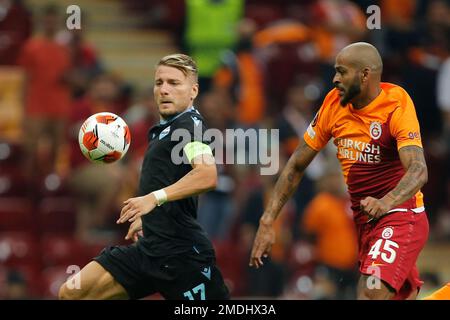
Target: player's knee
column 66, row 293
column 62, row 293
column 382, row 293
column 368, row 294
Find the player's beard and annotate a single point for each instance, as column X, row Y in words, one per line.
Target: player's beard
column 168, row 114
column 353, row 91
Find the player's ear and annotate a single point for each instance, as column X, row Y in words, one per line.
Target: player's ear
column 194, row 91
column 365, row 74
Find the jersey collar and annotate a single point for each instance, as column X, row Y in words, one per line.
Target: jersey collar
column 373, row 104
column 164, row 122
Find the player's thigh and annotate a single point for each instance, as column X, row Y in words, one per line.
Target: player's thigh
column 92, row 282
column 373, row 288
column 390, row 251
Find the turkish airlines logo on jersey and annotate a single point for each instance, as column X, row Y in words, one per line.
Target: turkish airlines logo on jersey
column 375, row 130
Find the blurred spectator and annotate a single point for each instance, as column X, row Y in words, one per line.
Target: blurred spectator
column 271, row 279
column 432, row 32
column 12, row 83
column 139, row 117
column 297, row 114
column 443, row 96
column 210, row 28
column 94, row 186
column 16, row 287
column 84, row 60
column 15, row 28
column 336, row 23
column 425, row 58
column 398, row 23
column 48, row 95
column 443, row 99
column 242, row 76
column 161, row 14
column 282, row 31
column 422, row 75
column 217, row 111
column 286, row 48
column 329, row 223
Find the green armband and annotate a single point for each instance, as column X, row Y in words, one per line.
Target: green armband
column 196, row 148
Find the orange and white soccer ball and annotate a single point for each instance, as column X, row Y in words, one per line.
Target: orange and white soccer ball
column 104, row 138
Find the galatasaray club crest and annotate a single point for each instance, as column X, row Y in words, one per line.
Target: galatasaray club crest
column 375, row 130
column 387, row 233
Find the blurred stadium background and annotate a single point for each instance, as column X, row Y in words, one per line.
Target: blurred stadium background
column 263, row 64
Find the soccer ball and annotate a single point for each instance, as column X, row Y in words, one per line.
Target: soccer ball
column 104, row 138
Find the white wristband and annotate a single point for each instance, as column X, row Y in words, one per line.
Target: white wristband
column 161, row 196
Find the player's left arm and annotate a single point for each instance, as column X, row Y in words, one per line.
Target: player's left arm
column 202, row 178
column 413, row 160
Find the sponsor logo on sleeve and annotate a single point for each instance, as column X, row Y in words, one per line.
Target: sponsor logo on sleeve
column 311, row 132
column 314, row 121
column 414, row 135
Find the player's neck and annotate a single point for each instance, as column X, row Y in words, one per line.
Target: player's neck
column 163, row 120
column 365, row 100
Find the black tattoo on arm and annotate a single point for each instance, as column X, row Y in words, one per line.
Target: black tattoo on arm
column 289, row 179
column 416, row 175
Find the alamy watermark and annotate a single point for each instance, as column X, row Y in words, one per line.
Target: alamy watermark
column 234, row 146
column 73, row 21
column 374, row 280
column 74, row 280
column 374, row 20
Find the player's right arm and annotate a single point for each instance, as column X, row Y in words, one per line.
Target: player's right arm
column 315, row 138
column 284, row 188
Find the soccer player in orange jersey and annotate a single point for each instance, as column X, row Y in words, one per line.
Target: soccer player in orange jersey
column 375, row 128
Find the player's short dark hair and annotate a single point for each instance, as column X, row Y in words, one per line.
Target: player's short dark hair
column 182, row 62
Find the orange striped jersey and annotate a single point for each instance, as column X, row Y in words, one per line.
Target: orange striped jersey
column 368, row 141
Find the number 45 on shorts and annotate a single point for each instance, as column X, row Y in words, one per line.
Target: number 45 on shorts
column 387, row 249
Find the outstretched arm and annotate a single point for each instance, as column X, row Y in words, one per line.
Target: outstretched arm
column 202, row 178
column 416, row 176
column 284, row 188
